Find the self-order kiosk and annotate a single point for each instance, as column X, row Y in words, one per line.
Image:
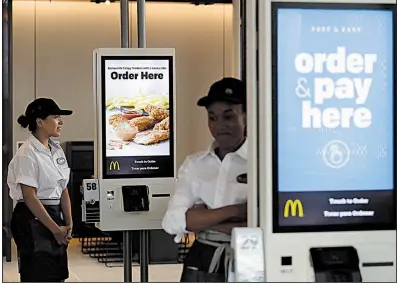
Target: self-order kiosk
column 135, row 137
column 323, row 125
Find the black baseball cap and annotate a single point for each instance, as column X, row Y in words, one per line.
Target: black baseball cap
column 44, row 107
column 228, row 89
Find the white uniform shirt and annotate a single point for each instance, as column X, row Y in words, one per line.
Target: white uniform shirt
column 204, row 178
column 39, row 167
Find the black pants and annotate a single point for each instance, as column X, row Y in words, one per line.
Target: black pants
column 197, row 263
column 41, row 258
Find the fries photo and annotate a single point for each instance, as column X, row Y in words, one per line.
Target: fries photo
column 139, row 101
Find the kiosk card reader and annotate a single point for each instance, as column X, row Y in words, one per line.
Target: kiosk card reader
column 135, row 198
column 335, row 264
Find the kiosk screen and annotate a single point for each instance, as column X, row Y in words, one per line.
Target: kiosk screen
column 137, row 116
column 333, row 110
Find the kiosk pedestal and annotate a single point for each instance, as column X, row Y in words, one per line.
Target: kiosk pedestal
column 135, row 137
column 143, row 255
column 127, row 255
column 136, row 199
column 135, row 143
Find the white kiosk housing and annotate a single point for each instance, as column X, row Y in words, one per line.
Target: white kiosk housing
column 135, row 136
column 322, row 133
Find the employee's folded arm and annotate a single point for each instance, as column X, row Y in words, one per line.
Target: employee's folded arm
column 201, row 219
column 174, row 221
column 227, row 227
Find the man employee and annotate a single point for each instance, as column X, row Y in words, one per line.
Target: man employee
column 210, row 199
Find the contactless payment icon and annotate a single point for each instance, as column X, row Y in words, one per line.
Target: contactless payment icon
column 336, row 154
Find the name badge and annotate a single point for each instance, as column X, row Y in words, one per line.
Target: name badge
column 61, row 161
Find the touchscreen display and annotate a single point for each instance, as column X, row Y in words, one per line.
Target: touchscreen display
column 334, row 91
column 137, row 117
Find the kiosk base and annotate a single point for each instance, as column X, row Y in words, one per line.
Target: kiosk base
column 335, row 264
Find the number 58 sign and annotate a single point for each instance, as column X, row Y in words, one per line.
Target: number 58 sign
column 91, row 186
column 91, row 190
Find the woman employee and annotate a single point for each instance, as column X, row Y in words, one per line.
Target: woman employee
column 37, row 177
column 210, row 199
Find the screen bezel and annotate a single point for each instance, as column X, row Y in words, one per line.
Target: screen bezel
column 170, row 59
column 275, row 6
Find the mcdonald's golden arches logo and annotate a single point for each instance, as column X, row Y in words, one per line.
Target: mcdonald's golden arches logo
column 292, row 206
column 114, row 165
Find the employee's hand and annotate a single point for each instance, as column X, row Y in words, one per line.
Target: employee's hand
column 69, row 234
column 61, row 233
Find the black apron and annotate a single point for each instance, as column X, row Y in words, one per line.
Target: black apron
column 41, row 258
column 198, row 265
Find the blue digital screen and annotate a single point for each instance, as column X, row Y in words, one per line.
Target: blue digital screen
column 335, row 98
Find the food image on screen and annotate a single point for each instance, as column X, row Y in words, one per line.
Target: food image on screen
column 334, row 98
column 130, row 125
column 137, row 129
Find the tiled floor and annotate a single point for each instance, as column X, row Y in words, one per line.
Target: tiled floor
column 82, row 268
